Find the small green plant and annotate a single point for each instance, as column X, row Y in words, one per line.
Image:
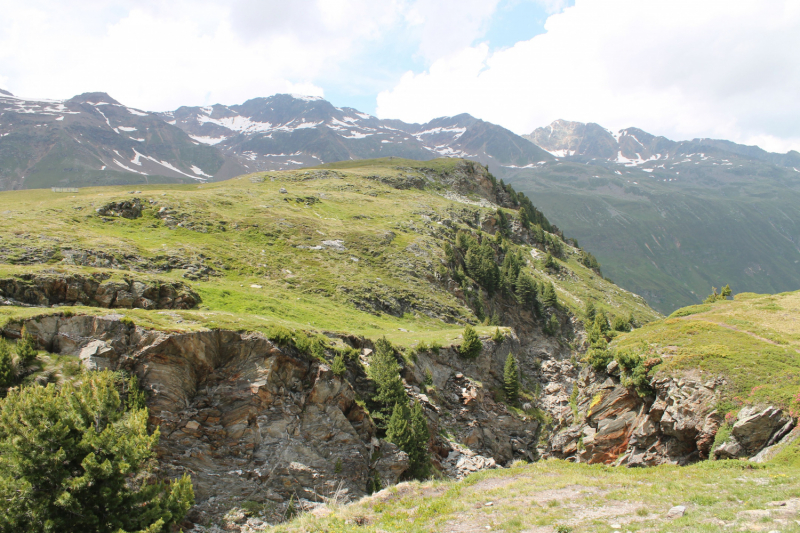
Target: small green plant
column 374, row 483
column 561, row 528
column 337, row 467
column 279, row 335
column 471, row 347
column 435, row 347
column 498, row 336
column 127, row 321
column 338, row 366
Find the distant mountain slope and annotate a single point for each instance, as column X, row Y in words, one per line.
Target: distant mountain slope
column 669, row 220
column 92, row 139
column 286, row 132
column 567, row 139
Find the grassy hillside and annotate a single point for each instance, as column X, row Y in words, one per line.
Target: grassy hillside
column 670, row 234
column 556, row 496
column 353, row 249
column 752, row 341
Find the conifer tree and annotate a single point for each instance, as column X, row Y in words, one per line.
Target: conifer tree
column 511, row 379
column 78, row 459
column 590, row 311
column 498, row 336
column 549, row 262
column 408, row 429
column 549, row 298
column 526, row 290
column 553, row 327
column 602, row 322
column 726, row 292
column 385, row 373
column 6, row 367
column 419, row 457
column 471, row 347
column 26, row 349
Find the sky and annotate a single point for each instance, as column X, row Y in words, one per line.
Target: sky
column 678, row 68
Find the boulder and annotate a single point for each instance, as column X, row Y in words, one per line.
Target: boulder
column 755, row 429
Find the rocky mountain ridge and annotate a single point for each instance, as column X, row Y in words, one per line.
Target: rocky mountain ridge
column 633, row 147
column 92, row 139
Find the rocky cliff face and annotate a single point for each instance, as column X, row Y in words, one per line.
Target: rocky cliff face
column 259, row 424
column 253, row 421
column 607, row 422
column 48, row 289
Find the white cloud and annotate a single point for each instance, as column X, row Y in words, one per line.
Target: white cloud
column 160, row 55
column 678, row 68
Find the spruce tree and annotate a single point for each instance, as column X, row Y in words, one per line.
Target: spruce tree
column 726, row 292
column 549, row 298
column 590, row 311
column 602, row 322
column 78, row 459
column 6, row 367
column 471, row 347
column 385, row 374
column 511, row 379
column 26, row 349
column 526, row 290
column 419, row 457
column 408, row 429
column 549, row 262
column 554, row 327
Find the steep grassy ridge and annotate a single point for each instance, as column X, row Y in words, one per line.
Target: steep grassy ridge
column 347, row 249
column 670, row 234
column 752, row 341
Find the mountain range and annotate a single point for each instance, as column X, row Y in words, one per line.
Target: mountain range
column 667, row 219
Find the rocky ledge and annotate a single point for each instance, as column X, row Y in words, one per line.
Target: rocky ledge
column 49, row 289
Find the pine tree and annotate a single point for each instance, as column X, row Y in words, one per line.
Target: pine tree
column 76, row 459
column 408, row 429
column 554, row 327
column 6, row 367
column 526, row 290
column 601, row 322
column 549, row 262
column 385, row 374
column 471, row 347
column 498, row 337
column 590, row 311
column 511, row 379
column 524, row 217
column 726, row 292
column 420, row 463
column 398, row 430
column 549, row 298
column 26, row 349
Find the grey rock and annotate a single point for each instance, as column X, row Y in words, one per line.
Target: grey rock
column 677, row 511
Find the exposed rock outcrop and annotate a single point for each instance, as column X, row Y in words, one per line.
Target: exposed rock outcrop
column 754, row 430
column 126, row 209
column 53, row 288
column 246, row 418
column 611, row 423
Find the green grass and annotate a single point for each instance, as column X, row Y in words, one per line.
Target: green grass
column 578, row 496
column 261, row 248
column 753, row 342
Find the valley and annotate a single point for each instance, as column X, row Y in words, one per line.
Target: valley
column 256, row 314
